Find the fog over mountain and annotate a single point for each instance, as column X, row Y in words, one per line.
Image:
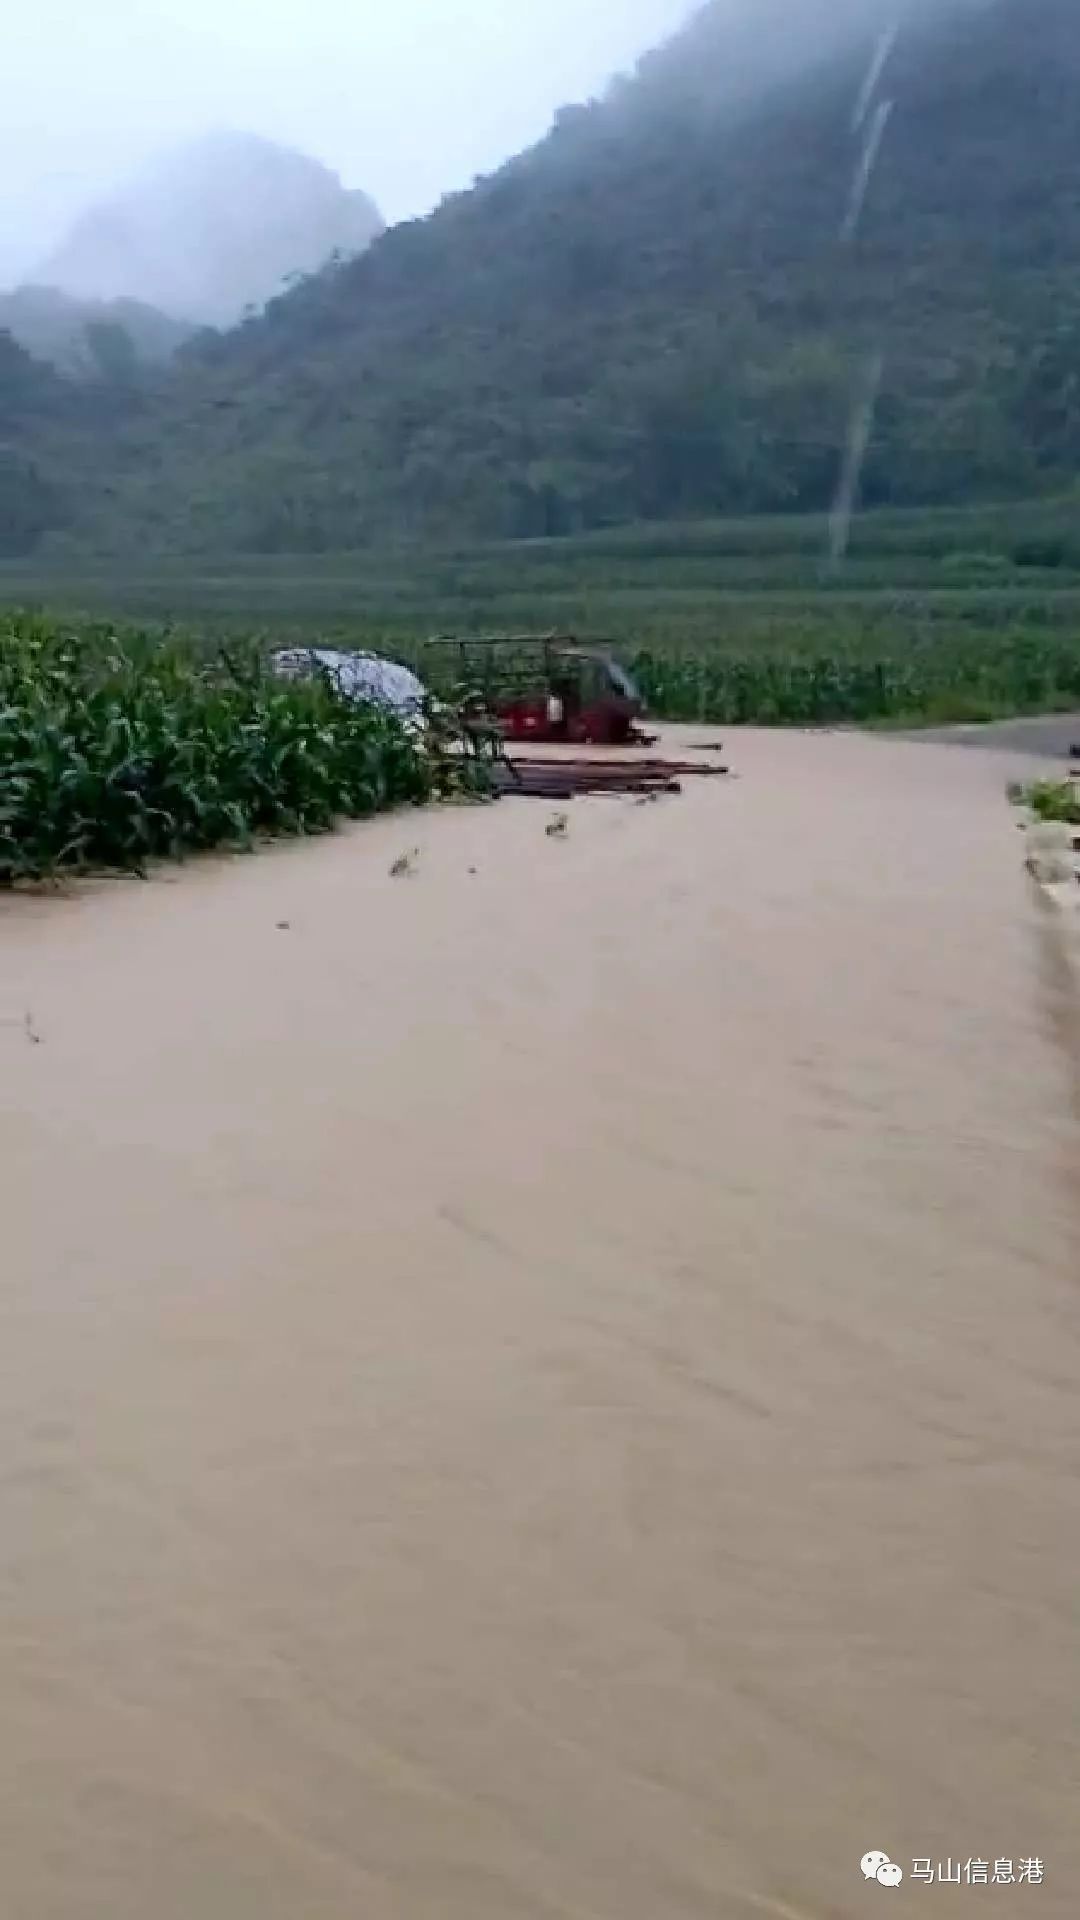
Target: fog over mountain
column 211, row 229
column 408, row 101
column 78, row 335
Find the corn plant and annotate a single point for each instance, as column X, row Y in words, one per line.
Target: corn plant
column 985, row 677
column 117, row 750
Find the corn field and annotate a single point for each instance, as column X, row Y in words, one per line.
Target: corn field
column 122, row 746
column 985, row 677
column 115, row 751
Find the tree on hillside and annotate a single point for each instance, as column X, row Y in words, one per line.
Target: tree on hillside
column 112, row 352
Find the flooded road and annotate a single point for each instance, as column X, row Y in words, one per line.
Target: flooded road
column 546, row 1392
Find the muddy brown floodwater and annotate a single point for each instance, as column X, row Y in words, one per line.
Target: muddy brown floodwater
column 547, row 1393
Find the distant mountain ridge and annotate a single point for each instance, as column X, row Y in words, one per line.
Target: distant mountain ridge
column 57, row 327
column 212, row 229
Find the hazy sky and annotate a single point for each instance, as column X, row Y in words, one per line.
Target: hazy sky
column 408, row 98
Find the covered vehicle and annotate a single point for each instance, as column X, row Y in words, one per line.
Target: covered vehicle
column 543, row 686
column 358, row 676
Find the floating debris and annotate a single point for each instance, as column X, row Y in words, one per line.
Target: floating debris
column 26, row 1024
column 564, row 779
column 405, row 865
column 559, row 827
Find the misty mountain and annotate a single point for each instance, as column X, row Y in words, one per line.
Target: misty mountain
column 212, row 229
column 76, row 335
column 672, row 305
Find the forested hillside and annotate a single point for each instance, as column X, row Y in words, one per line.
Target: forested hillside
column 34, row 402
column 670, row 306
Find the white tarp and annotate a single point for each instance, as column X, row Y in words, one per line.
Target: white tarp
column 358, row 676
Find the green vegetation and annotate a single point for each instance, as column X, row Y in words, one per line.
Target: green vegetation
column 702, row 652
column 1051, row 800
column 697, row 584
column 937, row 615
column 653, row 315
column 649, row 317
column 929, row 684
column 120, row 742
column 116, row 750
